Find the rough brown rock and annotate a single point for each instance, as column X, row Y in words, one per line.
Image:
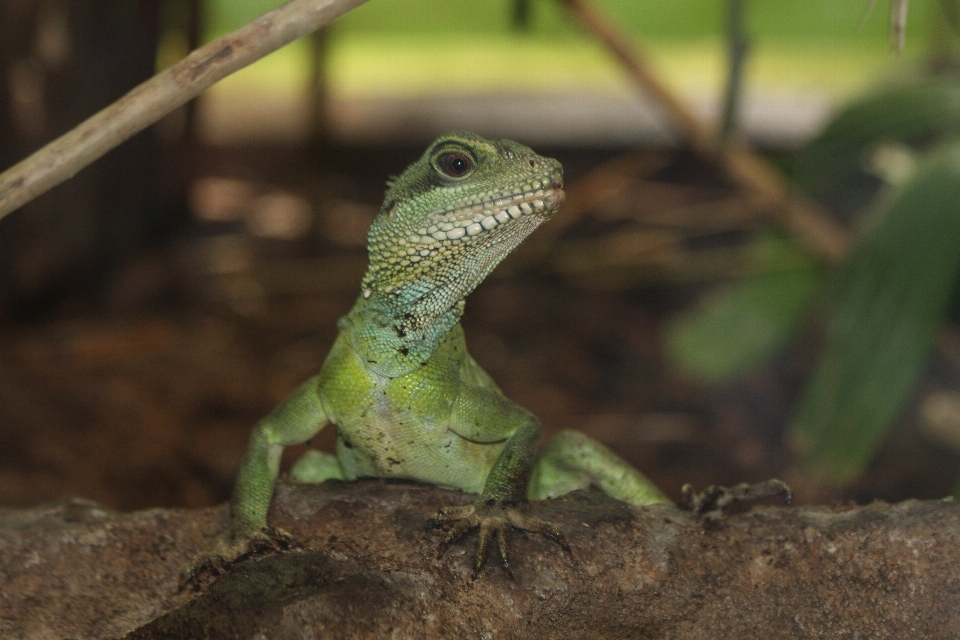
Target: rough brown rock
column 369, row 569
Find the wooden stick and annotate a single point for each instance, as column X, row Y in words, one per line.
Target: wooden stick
column 158, row 96
column 812, row 224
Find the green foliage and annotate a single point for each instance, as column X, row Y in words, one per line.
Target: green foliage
column 886, row 300
column 836, row 167
column 884, row 309
column 738, row 327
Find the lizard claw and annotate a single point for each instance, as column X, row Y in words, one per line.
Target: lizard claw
column 494, row 520
column 272, row 539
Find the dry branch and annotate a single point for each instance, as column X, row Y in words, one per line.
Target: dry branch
column 155, row 98
column 369, row 569
column 812, row 224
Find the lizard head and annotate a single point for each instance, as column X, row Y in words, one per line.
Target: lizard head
column 452, row 216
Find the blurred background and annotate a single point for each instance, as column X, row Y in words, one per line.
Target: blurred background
column 768, row 291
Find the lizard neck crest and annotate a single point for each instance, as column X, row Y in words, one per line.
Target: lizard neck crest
column 445, row 223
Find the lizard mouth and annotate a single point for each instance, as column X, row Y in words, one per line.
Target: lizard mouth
column 540, row 201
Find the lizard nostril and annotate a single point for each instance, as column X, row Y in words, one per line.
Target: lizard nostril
column 533, row 163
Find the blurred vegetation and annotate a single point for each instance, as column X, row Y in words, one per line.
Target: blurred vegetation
column 872, row 141
column 891, row 294
column 890, row 163
column 884, row 308
column 737, row 327
column 404, row 47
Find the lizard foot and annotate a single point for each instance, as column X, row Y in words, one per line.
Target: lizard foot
column 229, row 549
column 494, row 519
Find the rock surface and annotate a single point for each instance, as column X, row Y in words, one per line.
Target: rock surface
column 368, row 569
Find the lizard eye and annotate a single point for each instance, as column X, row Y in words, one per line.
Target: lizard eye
column 455, row 165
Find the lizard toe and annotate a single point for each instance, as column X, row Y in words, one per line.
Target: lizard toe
column 448, row 515
column 455, row 532
column 535, row 525
column 494, row 520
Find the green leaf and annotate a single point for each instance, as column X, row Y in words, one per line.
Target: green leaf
column 736, row 328
column 885, row 306
column 834, row 167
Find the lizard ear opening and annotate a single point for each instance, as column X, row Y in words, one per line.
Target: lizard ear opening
column 389, row 209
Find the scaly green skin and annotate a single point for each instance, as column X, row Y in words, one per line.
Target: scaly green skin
column 407, row 398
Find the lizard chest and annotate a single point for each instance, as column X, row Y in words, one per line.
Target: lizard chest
column 400, row 427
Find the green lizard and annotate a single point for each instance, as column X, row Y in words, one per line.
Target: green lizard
column 407, row 398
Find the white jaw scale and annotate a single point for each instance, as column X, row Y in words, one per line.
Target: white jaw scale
column 472, row 220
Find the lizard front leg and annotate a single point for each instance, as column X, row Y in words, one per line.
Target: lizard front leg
column 295, row 420
column 502, row 503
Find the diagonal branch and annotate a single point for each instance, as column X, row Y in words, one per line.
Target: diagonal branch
column 743, row 165
column 158, row 96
